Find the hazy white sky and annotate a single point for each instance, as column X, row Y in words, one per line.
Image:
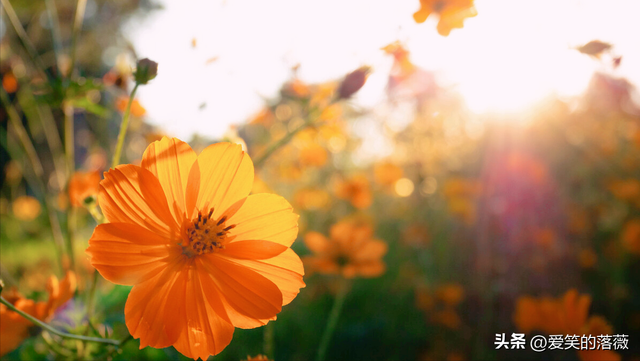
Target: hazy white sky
column 509, row 56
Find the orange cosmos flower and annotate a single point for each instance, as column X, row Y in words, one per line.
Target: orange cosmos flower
column 14, row 328
column 631, row 236
column 356, row 190
column 351, row 251
column 567, row 315
column 83, row 185
column 452, row 13
column 203, row 256
column 450, row 293
column 137, row 110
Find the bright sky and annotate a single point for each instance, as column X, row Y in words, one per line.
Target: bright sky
column 511, row 55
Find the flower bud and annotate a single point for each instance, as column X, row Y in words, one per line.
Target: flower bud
column 146, row 70
column 353, row 82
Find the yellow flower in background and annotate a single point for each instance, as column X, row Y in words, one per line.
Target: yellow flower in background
column 452, row 13
column 350, row 251
column 26, row 208
column 356, row 190
column 631, row 236
column 14, row 328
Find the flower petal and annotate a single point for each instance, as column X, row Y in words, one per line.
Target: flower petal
column 131, row 194
column 370, row 250
column 170, row 160
column 144, row 311
column 201, row 323
column 127, row 254
column 317, row 242
column 284, row 270
column 253, row 249
column 245, row 290
column 226, row 176
column 370, row 269
column 266, row 217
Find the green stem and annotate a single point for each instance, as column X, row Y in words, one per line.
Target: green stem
column 55, row 29
column 38, row 170
column 54, row 331
column 333, row 319
column 91, row 297
column 77, row 25
column 123, row 128
column 24, row 38
column 269, row 335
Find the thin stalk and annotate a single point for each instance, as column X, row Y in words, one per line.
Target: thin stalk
column 55, row 29
column 54, row 331
column 334, row 316
column 269, row 336
column 123, row 128
column 24, row 38
column 55, row 144
column 77, row 25
column 14, row 118
column 91, row 296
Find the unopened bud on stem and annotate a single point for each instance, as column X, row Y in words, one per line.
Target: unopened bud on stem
column 353, row 82
column 146, row 70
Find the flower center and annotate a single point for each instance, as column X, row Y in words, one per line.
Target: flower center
column 206, row 235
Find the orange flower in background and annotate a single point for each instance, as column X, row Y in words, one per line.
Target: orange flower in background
column 451, row 293
column 83, row 185
column 137, row 110
column 631, row 236
column 356, row 190
column 26, row 208
column 311, row 198
column 566, row 315
column 387, row 173
column 626, row 189
column 313, row 155
column 14, row 328
column 265, row 117
column 203, row 256
column 258, row 358
column 452, row 13
column 350, row 251
column 416, row 235
column 9, row 83
column 402, row 66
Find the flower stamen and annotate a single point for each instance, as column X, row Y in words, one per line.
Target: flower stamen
column 206, row 237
